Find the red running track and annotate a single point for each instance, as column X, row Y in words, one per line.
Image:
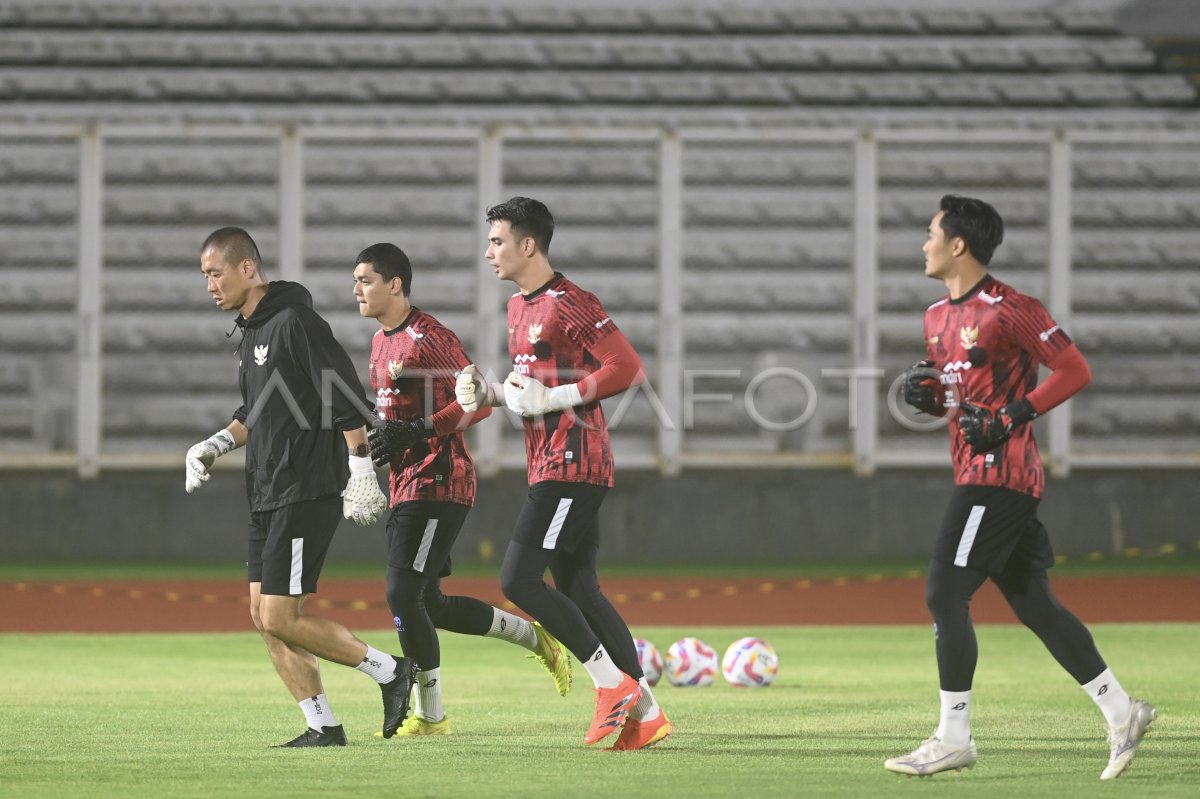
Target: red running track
column 221, row 606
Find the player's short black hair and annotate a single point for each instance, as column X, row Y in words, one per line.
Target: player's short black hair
column 234, row 244
column 527, row 217
column 390, row 262
column 975, row 222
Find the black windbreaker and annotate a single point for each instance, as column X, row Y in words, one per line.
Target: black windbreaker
column 299, row 391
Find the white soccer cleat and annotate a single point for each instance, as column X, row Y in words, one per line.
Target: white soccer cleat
column 1125, row 737
column 932, row 756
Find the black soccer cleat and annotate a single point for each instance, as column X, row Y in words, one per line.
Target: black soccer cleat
column 326, row 736
column 396, row 695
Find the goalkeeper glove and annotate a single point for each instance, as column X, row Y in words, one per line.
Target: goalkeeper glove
column 362, row 500
column 393, row 438
column 528, row 396
column 985, row 429
column 201, row 457
column 473, row 392
column 921, row 387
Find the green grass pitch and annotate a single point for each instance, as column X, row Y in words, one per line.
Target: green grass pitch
column 193, row 716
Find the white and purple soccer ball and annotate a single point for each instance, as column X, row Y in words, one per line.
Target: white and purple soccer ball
column 649, row 659
column 750, row 663
column 691, row 662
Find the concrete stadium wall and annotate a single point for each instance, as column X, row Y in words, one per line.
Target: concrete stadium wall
column 700, row 516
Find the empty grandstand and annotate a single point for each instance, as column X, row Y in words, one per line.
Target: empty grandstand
column 745, row 182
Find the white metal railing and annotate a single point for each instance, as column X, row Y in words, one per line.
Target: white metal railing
column 865, row 454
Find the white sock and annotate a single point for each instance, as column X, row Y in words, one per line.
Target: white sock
column 1109, row 696
column 646, row 708
column 512, row 628
column 429, row 695
column 955, row 726
column 380, row 665
column 317, row 712
column 603, row 671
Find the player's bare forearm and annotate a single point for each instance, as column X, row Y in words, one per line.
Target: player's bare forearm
column 355, row 439
column 239, row 432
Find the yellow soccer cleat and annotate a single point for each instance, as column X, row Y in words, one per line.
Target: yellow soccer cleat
column 554, row 656
column 419, row 726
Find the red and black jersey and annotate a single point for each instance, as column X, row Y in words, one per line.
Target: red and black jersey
column 413, row 368
column 988, row 345
column 551, row 336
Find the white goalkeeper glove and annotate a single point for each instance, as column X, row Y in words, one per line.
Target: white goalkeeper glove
column 201, row 457
column 473, row 392
column 362, row 500
column 528, row 396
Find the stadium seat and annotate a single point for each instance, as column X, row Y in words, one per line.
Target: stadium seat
column 543, row 17
column 1021, row 20
column 228, row 52
column 36, row 331
column 717, row 55
column 53, row 247
column 197, row 15
column 966, row 20
column 24, row 52
column 1084, row 19
column 1059, row 55
column 738, row 18
column 809, row 19
column 331, row 15
column 884, row 20
column 122, row 14
column 992, row 55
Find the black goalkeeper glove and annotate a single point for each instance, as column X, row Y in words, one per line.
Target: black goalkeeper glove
column 393, row 438
column 985, row 429
column 921, row 386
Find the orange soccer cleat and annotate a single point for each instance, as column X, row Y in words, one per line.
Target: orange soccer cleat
column 643, row 734
column 612, row 708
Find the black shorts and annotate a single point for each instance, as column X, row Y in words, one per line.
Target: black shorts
column 288, row 545
column 422, row 533
column 560, row 516
column 994, row 530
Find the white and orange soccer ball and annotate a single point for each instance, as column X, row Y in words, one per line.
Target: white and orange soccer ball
column 649, row 659
column 750, row 662
column 691, row 662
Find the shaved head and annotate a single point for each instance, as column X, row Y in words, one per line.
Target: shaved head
column 234, row 245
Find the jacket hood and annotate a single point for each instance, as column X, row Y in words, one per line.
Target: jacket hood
column 280, row 294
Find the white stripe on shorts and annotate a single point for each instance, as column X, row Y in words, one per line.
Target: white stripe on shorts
column 294, row 586
column 556, row 524
column 426, row 542
column 968, row 535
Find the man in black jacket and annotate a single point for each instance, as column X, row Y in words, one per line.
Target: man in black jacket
column 300, row 413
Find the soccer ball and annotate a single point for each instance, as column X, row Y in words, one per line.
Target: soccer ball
column 649, row 659
column 750, row 662
column 690, row 661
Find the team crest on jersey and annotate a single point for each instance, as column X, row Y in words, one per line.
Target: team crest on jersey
column 535, row 333
column 968, row 337
column 394, row 369
column 260, row 354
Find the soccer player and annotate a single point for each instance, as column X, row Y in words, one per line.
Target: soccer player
column 984, row 342
column 414, row 362
column 567, row 355
column 305, row 439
